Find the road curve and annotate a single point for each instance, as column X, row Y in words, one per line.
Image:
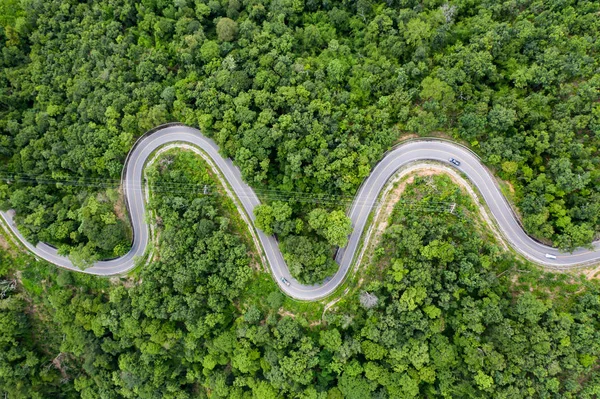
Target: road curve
column 409, row 152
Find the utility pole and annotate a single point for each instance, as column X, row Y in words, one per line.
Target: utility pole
column 452, row 207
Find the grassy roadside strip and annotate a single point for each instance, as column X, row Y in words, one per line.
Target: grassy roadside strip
column 12, row 240
column 352, row 278
column 232, row 207
column 352, row 282
column 505, row 186
column 502, row 238
column 240, row 221
column 263, row 282
column 243, row 221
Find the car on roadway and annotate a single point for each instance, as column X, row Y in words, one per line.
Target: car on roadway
column 454, row 161
column 550, row 256
column 285, row 281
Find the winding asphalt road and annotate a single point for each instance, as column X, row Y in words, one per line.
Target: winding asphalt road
column 404, row 154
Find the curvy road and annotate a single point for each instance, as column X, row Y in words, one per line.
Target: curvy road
column 409, row 152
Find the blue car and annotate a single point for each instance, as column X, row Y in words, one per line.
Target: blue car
column 454, row 161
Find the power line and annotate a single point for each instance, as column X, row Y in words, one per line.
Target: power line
column 200, row 188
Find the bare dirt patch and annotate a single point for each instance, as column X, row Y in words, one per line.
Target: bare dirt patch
column 254, row 263
column 119, row 207
column 406, row 136
column 128, row 282
column 284, row 313
column 442, row 135
column 383, row 216
column 9, row 244
column 57, row 362
column 510, row 186
column 593, row 274
column 4, row 243
column 330, row 304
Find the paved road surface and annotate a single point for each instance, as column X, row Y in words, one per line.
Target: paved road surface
column 402, row 155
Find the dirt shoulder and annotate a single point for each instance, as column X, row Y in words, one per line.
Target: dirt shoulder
column 392, row 194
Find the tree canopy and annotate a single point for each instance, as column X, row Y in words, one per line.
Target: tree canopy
column 426, row 321
column 304, row 96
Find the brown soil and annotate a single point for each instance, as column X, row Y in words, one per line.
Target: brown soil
column 57, row 363
column 120, row 209
column 392, row 198
column 119, row 206
column 593, row 274
column 128, row 282
column 254, row 264
column 510, row 186
column 9, row 244
column 442, row 135
column 330, row 304
column 284, row 313
column 4, row 243
column 405, row 137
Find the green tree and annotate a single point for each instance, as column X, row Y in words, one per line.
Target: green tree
column 309, row 260
column 226, row 29
column 334, row 226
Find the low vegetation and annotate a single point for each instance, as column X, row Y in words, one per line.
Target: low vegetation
column 305, row 96
column 441, row 313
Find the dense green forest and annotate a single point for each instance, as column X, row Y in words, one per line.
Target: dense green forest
column 441, row 312
column 305, row 96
